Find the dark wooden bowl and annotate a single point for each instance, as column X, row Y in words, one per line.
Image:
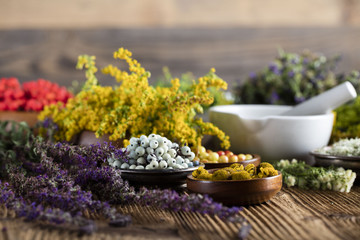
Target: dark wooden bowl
column 256, row 161
column 347, row 162
column 157, row 177
column 235, row 192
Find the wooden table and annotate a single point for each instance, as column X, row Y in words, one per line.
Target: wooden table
column 292, row 214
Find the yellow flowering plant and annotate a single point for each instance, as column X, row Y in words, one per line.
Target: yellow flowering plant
column 134, row 107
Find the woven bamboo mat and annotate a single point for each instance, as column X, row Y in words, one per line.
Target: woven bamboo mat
column 292, row 214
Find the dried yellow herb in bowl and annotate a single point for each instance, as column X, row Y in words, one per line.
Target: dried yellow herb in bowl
column 237, row 185
column 236, row 172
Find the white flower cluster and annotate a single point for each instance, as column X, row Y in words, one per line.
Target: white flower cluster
column 155, row 152
column 289, row 180
column 344, row 147
column 339, row 179
column 285, row 163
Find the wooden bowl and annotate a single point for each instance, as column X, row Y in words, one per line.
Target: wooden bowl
column 236, row 192
column 256, row 161
column 346, row 162
column 157, row 177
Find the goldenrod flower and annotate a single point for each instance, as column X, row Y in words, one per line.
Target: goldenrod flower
column 205, row 176
column 241, row 175
column 237, row 166
column 267, row 172
column 220, row 174
column 250, row 168
column 266, row 165
column 134, row 107
column 198, row 171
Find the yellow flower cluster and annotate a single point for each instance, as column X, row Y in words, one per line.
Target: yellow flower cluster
column 236, row 172
column 89, row 63
column 134, row 107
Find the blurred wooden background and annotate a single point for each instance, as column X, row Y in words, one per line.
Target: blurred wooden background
column 40, row 38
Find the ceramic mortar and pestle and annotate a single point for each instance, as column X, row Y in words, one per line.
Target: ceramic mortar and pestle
column 282, row 132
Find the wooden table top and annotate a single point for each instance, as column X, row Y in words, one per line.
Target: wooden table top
column 292, row 214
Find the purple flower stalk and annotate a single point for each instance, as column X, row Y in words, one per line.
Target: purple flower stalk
column 274, row 68
column 291, row 74
column 299, row 99
column 274, row 97
column 62, row 182
column 32, row 211
column 252, row 75
column 171, row 200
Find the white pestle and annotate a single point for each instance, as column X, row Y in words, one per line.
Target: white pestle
column 325, row 102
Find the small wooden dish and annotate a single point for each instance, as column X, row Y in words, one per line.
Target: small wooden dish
column 236, row 192
column 347, row 162
column 157, row 177
column 255, row 160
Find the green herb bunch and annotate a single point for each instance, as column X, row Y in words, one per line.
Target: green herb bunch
column 347, row 123
column 15, row 144
column 305, row 176
column 293, row 78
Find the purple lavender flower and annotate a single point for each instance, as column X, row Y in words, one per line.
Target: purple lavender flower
column 46, row 122
column 32, row 211
column 291, row 74
column 274, row 68
column 170, row 199
column 320, row 76
column 299, row 99
column 62, row 181
column 314, row 74
column 274, row 97
column 252, row 75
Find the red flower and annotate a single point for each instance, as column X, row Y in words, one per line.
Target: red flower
column 31, row 96
column 33, row 105
column 3, row 106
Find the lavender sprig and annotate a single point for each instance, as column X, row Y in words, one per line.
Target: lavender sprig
column 47, row 183
column 61, row 182
column 171, row 200
column 32, row 211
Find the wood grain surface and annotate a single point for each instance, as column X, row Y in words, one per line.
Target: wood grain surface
column 176, row 13
column 234, row 52
column 292, row 214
